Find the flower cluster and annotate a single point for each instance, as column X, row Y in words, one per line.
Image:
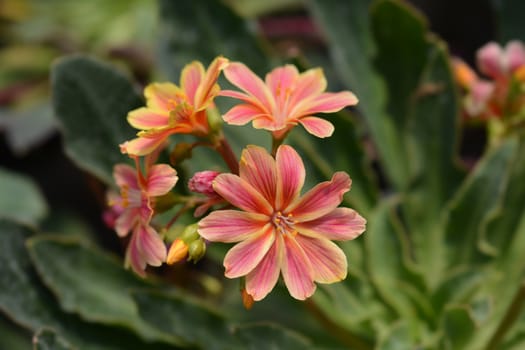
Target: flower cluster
column 500, row 92
column 258, row 204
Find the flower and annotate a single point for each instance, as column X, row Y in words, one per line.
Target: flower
column 286, row 98
column 501, row 63
column 201, row 182
column 175, row 110
column 278, row 230
column 135, row 208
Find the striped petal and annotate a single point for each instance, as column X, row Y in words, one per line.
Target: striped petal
column 231, row 225
column 245, row 256
column 242, row 114
column 328, row 261
column 161, row 179
column 310, row 83
column 257, row 167
column 150, row 245
column 297, row 271
column 160, row 95
column 290, row 176
column 126, row 221
column 281, row 83
column 317, row 126
column 242, row 77
column 147, row 118
column 342, row 224
column 142, row 146
column 125, row 176
column 321, row 199
column 209, row 88
column 190, row 79
column 134, row 258
column 263, row 278
column 328, row 102
column 241, row 194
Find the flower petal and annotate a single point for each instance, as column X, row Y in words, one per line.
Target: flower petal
column 310, row 83
column 290, row 176
column 268, row 122
column 160, row 95
column 263, row 278
column 231, row 225
column 321, row 199
column 489, row 59
column 161, row 179
column 342, row 224
column 144, row 145
column 190, row 79
column 317, row 126
column 328, row 261
column 245, row 256
column 257, row 167
column 241, row 194
column 280, row 82
column 150, row 245
column 515, row 55
column 126, row 221
column 242, row 77
column 146, row 118
column 328, row 102
column 125, row 176
column 134, row 258
column 209, row 88
column 297, row 271
column 242, row 114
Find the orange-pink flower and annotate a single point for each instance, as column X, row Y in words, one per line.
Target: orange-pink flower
column 279, row 230
column 286, row 98
column 175, row 110
column 135, row 208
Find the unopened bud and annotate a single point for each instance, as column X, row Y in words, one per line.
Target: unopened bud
column 247, row 299
column 177, row 252
column 214, row 120
column 190, row 234
column 202, row 182
column 196, row 250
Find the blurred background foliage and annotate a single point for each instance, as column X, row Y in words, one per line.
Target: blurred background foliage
column 440, row 266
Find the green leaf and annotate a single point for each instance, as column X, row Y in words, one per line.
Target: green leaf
column 20, row 199
column 270, row 336
column 475, row 203
column 201, row 30
column 13, row 337
column 91, row 100
column 347, row 30
column 459, row 326
column 48, row 339
column 25, row 301
column 185, row 318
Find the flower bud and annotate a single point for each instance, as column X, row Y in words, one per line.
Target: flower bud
column 177, row 252
column 247, row 299
column 202, row 182
column 214, row 120
column 196, row 250
column 190, row 234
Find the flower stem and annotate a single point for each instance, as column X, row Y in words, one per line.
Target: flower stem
column 223, row 147
column 511, row 315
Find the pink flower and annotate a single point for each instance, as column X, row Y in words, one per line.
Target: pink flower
column 279, row 230
column 135, row 208
column 175, row 110
column 286, row 98
column 201, row 182
column 499, row 63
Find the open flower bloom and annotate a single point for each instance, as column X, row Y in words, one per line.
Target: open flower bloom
column 286, row 98
column 279, row 230
column 135, row 207
column 171, row 109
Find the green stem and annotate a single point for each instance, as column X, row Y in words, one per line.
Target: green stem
column 512, row 314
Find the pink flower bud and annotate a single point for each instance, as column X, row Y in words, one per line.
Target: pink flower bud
column 490, row 59
column 202, row 181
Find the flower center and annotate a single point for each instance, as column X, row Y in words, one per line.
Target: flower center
column 284, row 223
